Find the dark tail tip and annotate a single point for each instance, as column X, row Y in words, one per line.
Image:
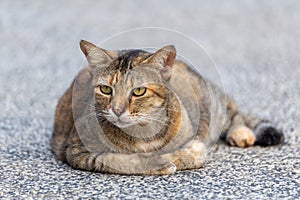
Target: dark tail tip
column 267, row 134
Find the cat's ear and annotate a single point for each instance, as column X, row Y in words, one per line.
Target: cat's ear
column 96, row 55
column 166, row 57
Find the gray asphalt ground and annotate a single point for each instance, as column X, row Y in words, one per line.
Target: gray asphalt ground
column 254, row 44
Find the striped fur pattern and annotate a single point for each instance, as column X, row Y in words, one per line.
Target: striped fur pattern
column 143, row 104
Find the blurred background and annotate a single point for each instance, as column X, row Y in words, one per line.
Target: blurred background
column 252, row 48
column 40, row 53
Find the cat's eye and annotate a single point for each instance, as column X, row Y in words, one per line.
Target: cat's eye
column 140, row 91
column 105, row 89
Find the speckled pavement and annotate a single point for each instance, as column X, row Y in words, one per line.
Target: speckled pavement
column 254, row 44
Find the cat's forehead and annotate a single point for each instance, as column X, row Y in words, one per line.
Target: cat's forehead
column 130, row 69
column 136, row 77
column 127, row 61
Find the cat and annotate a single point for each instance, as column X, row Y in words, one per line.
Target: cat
column 136, row 112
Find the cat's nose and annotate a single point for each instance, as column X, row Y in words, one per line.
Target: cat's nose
column 118, row 111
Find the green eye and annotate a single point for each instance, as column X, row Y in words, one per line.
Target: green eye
column 105, row 89
column 139, row 91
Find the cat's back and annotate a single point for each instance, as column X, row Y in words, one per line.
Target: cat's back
column 201, row 99
column 189, row 85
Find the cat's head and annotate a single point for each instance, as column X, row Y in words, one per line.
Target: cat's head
column 130, row 86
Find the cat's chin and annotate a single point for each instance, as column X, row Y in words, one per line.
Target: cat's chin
column 121, row 124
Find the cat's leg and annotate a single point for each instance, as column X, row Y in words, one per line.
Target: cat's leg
column 191, row 156
column 137, row 163
column 79, row 157
column 246, row 130
column 266, row 133
column 239, row 134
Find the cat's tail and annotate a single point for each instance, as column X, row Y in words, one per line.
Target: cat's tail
column 248, row 130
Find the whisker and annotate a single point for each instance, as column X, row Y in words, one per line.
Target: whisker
column 159, row 121
column 90, row 105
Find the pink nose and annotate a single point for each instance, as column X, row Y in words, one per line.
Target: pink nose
column 118, row 111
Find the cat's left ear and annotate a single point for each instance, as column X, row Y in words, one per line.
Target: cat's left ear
column 166, row 57
column 96, row 55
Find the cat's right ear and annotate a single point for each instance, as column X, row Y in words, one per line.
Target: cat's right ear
column 94, row 54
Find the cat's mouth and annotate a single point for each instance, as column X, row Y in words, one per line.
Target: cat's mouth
column 121, row 124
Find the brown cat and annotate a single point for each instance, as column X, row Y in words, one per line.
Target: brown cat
column 135, row 112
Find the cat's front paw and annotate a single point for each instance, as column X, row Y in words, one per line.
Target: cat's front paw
column 192, row 156
column 168, row 169
column 241, row 137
